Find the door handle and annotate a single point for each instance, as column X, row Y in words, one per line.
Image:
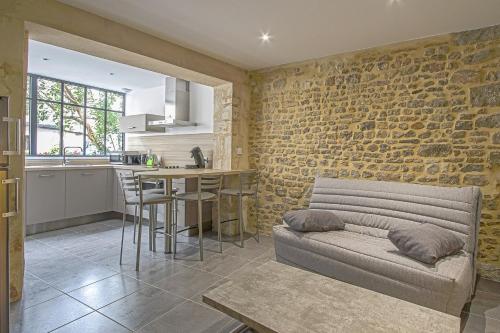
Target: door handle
column 46, row 176
column 8, row 182
column 17, row 151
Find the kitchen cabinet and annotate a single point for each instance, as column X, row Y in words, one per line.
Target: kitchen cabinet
column 45, row 196
column 139, row 123
column 86, row 192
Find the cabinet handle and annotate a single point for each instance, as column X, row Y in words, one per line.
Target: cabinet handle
column 7, row 182
column 131, row 127
column 46, row 175
column 87, row 174
column 17, row 151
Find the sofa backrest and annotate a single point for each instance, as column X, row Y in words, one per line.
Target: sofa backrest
column 382, row 205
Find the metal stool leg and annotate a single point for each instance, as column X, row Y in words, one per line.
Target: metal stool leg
column 257, row 226
column 150, row 225
column 240, row 218
column 219, row 225
column 200, row 229
column 135, row 222
column 174, row 234
column 137, row 259
column 123, row 234
column 154, row 210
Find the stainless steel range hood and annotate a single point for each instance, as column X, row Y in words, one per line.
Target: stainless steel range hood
column 176, row 105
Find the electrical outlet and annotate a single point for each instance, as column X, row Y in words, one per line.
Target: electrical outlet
column 239, row 151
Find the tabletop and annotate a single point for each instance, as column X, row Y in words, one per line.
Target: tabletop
column 189, row 173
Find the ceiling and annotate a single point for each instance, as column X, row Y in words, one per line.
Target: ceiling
column 300, row 29
column 86, row 69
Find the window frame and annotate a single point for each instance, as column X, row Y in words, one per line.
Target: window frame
column 33, row 99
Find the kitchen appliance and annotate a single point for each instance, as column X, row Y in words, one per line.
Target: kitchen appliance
column 199, row 159
column 132, row 158
column 10, row 128
column 116, row 158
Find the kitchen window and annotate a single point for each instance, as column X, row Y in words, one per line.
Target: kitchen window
column 61, row 114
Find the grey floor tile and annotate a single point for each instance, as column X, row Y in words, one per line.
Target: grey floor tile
column 72, row 275
column 107, row 291
column 199, row 296
column 155, row 271
column 36, row 291
column 188, row 317
column 250, row 252
column 270, row 254
column 188, row 282
column 141, row 307
column 48, row 316
column 489, row 286
column 478, row 324
column 221, row 264
column 248, row 268
column 485, row 304
column 93, row 323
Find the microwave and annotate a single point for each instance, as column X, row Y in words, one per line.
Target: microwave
column 132, row 158
column 116, row 158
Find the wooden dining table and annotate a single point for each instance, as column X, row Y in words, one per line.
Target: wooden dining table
column 168, row 175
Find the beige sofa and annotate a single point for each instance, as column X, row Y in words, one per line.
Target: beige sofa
column 363, row 255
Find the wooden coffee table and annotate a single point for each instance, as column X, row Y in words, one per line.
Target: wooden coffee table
column 279, row 298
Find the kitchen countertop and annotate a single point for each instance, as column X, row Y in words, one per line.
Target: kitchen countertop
column 75, row 166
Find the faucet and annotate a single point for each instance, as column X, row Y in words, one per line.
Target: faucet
column 64, row 153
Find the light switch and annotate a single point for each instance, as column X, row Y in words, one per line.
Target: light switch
column 239, row 151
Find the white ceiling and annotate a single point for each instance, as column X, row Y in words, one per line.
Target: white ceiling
column 86, row 69
column 301, row 29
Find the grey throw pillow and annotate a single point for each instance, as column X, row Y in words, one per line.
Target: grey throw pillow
column 425, row 242
column 313, row 220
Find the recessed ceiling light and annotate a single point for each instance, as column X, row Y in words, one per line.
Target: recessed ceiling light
column 126, row 90
column 265, row 37
column 111, row 74
column 45, row 59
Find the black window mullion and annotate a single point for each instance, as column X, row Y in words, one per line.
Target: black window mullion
column 61, row 119
column 34, row 116
column 84, row 121
column 105, row 122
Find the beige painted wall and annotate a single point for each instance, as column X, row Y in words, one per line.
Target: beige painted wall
column 142, row 49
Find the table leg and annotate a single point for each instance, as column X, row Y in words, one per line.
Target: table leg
column 168, row 219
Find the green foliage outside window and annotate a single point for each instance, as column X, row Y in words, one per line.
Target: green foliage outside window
column 95, row 112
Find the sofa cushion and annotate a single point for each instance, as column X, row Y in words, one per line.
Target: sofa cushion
column 307, row 220
column 379, row 256
column 426, row 242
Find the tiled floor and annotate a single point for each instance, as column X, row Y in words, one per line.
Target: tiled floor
column 74, row 283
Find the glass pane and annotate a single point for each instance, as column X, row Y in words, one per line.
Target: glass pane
column 28, row 86
column 95, row 132
column 73, row 128
column 74, row 94
column 115, row 101
column 27, row 129
column 113, row 135
column 48, row 128
column 49, row 90
column 96, row 98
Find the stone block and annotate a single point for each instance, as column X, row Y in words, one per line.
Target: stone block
column 435, row 150
column 487, row 95
column 491, row 121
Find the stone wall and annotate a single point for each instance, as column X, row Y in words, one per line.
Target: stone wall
column 426, row 111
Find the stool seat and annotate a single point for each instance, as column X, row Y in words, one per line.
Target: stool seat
column 148, row 199
column 236, row 191
column 193, row 196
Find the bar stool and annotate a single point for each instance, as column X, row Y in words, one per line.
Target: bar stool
column 155, row 190
column 134, row 195
column 249, row 186
column 209, row 188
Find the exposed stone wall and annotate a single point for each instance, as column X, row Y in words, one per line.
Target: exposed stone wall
column 426, row 111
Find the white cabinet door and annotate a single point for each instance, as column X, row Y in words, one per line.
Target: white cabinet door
column 45, row 196
column 86, row 192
